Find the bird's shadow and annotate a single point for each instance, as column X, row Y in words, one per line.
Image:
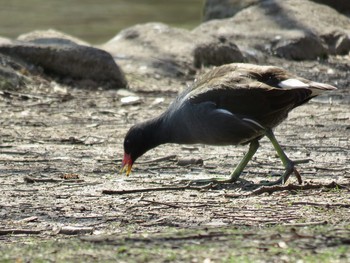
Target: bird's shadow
column 242, row 184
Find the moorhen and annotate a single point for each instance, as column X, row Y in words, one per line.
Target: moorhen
column 233, row 104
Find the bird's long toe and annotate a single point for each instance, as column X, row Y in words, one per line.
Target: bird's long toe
column 290, row 169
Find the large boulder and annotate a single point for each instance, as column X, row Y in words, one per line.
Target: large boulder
column 50, row 36
column 60, row 56
column 216, row 52
column 342, row 6
column 9, row 79
column 293, row 29
column 219, row 9
column 14, row 72
column 158, row 49
column 152, row 48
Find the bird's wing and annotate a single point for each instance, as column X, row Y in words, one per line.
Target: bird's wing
column 254, row 93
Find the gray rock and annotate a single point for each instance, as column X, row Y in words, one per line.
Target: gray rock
column 64, row 59
column 160, row 50
column 216, row 53
column 290, row 28
column 338, row 42
column 14, row 72
column 219, row 9
column 304, row 47
column 152, row 48
column 50, row 37
column 342, row 6
column 9, row 79
column 4, row 40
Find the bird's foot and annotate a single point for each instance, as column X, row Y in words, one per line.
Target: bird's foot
column 290, row 168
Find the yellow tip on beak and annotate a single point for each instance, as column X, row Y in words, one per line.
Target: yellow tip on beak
column 126, row 164
column 126, row 168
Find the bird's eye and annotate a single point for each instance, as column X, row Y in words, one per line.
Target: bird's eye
column 126, row 143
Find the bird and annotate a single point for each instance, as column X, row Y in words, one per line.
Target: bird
column 232, row 104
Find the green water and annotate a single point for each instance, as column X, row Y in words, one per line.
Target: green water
column 94, row 21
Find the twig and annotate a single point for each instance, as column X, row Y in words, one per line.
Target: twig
column 291, row 187
column 15, row 152
column 71, row 230
column 19, row 232
column 27, row 219
column 29, row 96
column 154, row 223
column 330, row 169
column 25, row 160
column 30, row 179
column 180, row 238
column 160, row 203
column 21, row 95
column 157, row 189
column 158, row 238
column 161, row 159
column 6, row 146
column 322, row 204
column 307, row 224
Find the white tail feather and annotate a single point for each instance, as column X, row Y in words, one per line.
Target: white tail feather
column 318, row 88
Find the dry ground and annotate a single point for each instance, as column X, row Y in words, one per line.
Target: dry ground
column 50, row 131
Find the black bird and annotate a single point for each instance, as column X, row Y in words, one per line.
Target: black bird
column 233, row 104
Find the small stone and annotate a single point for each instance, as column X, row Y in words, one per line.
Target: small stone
column 158, row 101
column 130, row 100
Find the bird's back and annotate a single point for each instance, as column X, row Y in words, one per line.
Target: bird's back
column 236, row 103
column 264, row 93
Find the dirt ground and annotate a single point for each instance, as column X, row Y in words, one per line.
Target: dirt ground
column 61, row 147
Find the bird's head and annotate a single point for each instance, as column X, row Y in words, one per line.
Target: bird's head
column 140, row 138
column 135, row 144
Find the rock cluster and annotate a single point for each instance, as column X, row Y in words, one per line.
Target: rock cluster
column 290, row 29
column 55, row 54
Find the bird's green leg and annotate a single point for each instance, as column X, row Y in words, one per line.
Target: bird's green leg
column 287, row 163
column 253, row 147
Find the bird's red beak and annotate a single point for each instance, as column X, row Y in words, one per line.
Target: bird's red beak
column 126, row 164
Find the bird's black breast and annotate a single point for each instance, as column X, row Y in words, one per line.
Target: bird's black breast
column 205, row 123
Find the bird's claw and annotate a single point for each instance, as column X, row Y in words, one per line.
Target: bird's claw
column 284, row 177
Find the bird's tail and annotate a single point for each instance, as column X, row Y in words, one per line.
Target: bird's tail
column 317, row 88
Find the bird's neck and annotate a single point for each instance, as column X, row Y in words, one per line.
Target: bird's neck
column 156, row 132
column 169, row 127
